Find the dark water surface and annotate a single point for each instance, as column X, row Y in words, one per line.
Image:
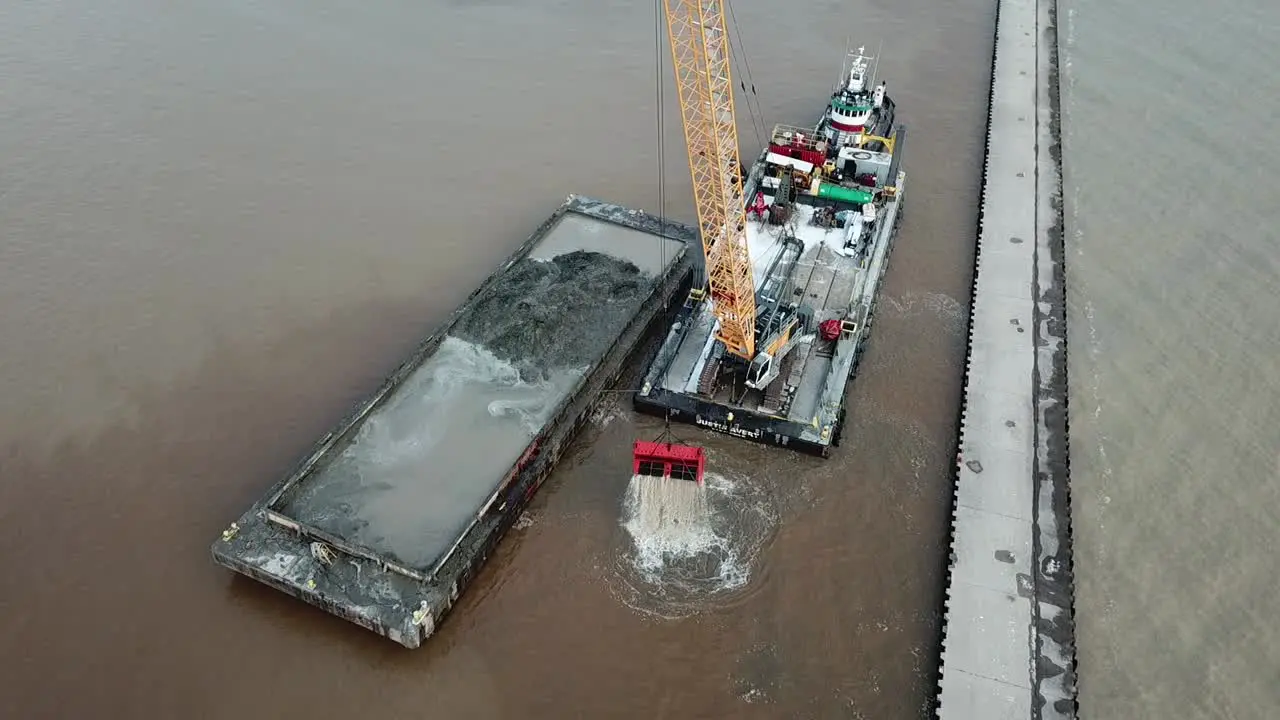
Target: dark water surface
column 225, row 222
column 1174, row 354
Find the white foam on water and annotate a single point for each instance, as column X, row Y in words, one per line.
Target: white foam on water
column 668, row 519
column 691, row 547
column 940, row 305
column 606, row 412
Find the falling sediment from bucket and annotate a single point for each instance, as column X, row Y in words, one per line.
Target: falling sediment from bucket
column 668, row 518
column 691, row 546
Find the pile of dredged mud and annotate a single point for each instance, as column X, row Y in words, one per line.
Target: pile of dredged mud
column 557, row 313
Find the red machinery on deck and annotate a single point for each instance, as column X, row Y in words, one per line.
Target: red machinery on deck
column 669, row 460
column 829, row 329
column 812, row 150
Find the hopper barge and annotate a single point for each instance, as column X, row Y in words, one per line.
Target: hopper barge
column 394, row 512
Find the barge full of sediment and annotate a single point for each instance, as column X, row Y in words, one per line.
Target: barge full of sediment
column 393, row 513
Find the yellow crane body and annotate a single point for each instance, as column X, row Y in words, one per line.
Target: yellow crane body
column 699, row 43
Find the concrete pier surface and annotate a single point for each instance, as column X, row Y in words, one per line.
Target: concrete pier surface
column 1008, row 646
column 1144, row 587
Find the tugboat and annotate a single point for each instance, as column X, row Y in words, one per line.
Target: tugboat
column 854, row 109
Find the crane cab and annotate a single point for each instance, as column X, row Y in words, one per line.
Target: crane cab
column 778, row 333
column 762, row 371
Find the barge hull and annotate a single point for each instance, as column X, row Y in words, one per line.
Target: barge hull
column 315, row 535
column 824, row 382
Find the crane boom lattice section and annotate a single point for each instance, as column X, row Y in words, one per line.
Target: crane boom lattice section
column 700, row 56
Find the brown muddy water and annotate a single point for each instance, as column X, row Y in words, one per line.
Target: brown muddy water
column 223, row 223
column 1173, row 355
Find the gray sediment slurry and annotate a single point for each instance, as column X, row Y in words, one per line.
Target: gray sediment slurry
column 426, row 461
column 396, row 509
column 1008, row 645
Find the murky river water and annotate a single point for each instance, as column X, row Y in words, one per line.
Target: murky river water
column 1174, row 354
column 221, row 223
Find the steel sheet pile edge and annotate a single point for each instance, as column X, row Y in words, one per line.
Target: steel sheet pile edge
column 1007, row 648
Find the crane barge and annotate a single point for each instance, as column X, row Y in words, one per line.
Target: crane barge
column 794, row 251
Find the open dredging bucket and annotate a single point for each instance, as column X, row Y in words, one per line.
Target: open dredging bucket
column 668, row 460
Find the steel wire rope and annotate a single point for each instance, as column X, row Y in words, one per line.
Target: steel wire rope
column 756, row 114
column 659, row 27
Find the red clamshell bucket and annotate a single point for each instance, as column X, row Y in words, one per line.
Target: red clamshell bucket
column 669, row 460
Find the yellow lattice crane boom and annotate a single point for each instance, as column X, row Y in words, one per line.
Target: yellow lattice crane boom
column 700, row 55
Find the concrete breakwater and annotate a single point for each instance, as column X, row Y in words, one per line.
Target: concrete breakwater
column 1008, row 638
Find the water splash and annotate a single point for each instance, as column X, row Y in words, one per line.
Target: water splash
column 691, row 547
column 669, row 519
column 942, row 306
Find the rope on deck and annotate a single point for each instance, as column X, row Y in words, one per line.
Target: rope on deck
column 323, row 553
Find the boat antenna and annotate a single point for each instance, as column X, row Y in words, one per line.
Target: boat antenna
column 844, row 64
column 875, row 69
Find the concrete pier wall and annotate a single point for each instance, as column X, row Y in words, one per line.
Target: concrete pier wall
column 1008, row 647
